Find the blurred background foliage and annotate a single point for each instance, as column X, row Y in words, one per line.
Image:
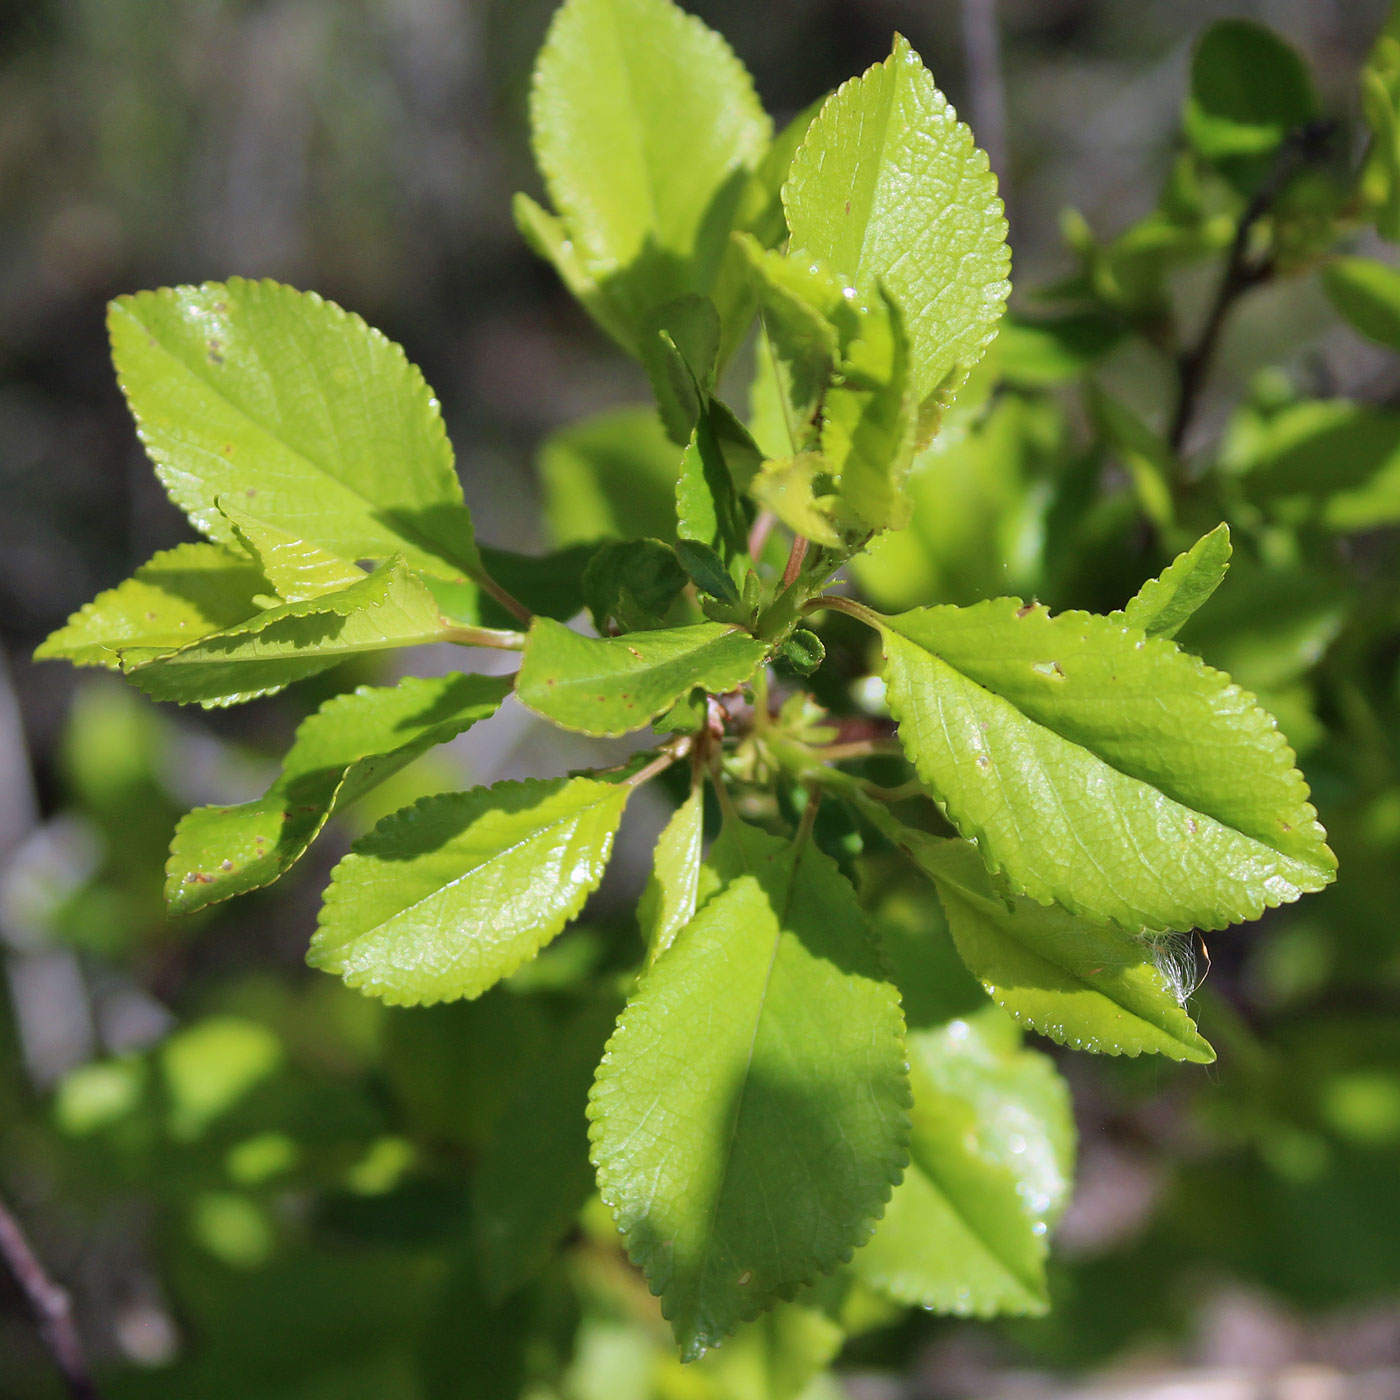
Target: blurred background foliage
column 259, row 1183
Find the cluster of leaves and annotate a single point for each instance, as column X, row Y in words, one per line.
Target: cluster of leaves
column 802, row 1053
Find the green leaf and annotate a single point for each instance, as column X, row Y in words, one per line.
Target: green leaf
column 1049, row 350
column 181, row 595
column 296, row 410
column 1366, row 293
column 1162, row 605
column 296, row 569
column 749, row 1114
column 787, row 487
column 888, row 188
column 1145, row 455
column 612, row 476
column 349, row 746
column 1087, row 985
column 761, row 209
column 680, row 346
column 535, row 1175
column 1342, row 455
column 720, row 460
column 673, row 887
column 1100, row 768
column 1249, row 89
column 645, row 128
column 613, row 685
column 706, row 571
column 388, row 608
column 551, row 583
column 869, row 423
column 446, row 897
column 991, row 1158
column 634, row 581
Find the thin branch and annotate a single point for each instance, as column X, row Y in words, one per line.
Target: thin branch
column 677, row 749
column 762, row 528
column 794, row 563
column 1240, row 275
column 52, row 1307
column 508, row 601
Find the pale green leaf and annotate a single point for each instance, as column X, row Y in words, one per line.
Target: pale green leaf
column 613, row 685
column 612, row 476
column 1100, row 768
column 787, row 487
column 672, row 891
column 869, row 422
column 182, row 594
column 388, row 608
column 645, row 128
column 991, row 1158
column 1367, row 293
column 888, row 188
column 349, row 746
column 1088, row 985
column 444, row 898
column 749, row 1115
column 1162, row 605
column 296, row 569
column 535, row 1175
column 298, row 411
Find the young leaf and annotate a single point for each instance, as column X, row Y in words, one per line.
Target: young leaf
column 645, row 127
column 444, row 898
column 281, row 401
column 868, row 432
column 1162, row 605
column 1088, row 985
column 633, row 581
column 1102, row 769
column 706, row 571
column 388, row 608
column 613, row 685
column 787, row 487
column 749, row 1117
column 181, row 595
column 296, row 569
column 680, row 346
column 535, row 1174
column 991, row 1159
column 888, row 188
column 720, row 460
column 612, row 476
column 349, row 746
column 672, row 892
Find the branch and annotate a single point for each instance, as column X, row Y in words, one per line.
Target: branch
column 52, row 1307
column 1241, row 273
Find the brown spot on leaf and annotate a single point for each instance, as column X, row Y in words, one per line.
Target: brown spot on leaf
column 199, row 877
column 1025, row 609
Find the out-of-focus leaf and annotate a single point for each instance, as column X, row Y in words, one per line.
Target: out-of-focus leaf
column 1367, row 294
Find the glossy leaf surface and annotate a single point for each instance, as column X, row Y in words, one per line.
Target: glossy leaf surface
column 672, row 892
column 612, row 685
column 990, row 1167
column 749, row 1117
column 443, row 899
column 1100, row 768
column 388, row 608
column 887, row 187
column 179, row 596
column 1162, row 606
column 645, row 128
column 282, row 401
column 349, row 746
